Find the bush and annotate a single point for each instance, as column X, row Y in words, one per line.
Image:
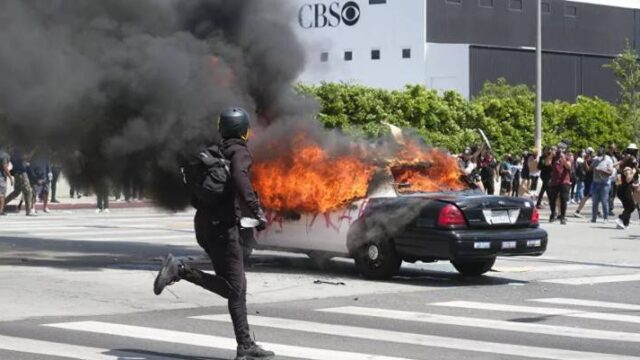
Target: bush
column 503, row 111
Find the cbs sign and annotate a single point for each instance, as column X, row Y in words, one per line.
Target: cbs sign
column 333, row 14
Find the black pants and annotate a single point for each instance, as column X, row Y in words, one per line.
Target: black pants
column 534, row 183
column 221, row 241
column 625, row 194
column 563, row 192
column 545, row 188
column 55, row 171
column 489, row 185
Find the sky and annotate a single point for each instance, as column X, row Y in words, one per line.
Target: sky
column 622, row 3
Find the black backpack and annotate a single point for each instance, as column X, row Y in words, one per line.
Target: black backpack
column 208, row 176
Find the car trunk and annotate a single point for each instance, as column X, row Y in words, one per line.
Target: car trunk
column 495, row 211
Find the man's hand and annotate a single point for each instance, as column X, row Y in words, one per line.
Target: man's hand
column 262, row 219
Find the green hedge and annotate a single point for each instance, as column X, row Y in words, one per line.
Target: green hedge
column 504, row 112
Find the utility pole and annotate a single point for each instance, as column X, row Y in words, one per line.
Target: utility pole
column 538, row 136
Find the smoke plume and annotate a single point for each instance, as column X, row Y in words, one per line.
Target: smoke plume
column 120, row 88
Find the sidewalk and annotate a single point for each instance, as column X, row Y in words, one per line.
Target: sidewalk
column 85, row 202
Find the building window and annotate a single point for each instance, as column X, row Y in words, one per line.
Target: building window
column 515, row 5
column 571, row 11
column 454, row 2
column 324, row 57
column 546, row 7
column 485, row 3
column 375, row 54
column 406, row 53
column 377, row 2
column 348, row 55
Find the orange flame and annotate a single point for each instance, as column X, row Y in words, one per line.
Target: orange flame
column 306, row 178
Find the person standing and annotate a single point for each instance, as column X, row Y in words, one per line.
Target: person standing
column 560, row 183
column 217, row 232
column 544, row 164
column 588, row 181
column 39, row 176
column 488, row 171
column 55, row 175
column 580, row 174
column 627, row 184
column 506, row 175
column 615, row 157
column 21, row 180
column 534, row 172
column 5, row 177
column 602, row 167
column 102, row 195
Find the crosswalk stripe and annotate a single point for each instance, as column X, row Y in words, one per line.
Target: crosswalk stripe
column 589, row 303
column 487, row 323
column 210, row 341
column 109, row 232
column 130, row 238
column 541, row 311
column 40, row 347
column 589, row 280
column 421, row 339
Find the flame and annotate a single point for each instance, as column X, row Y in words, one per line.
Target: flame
column 307, row 179
column 303, row 177
column 436, row 171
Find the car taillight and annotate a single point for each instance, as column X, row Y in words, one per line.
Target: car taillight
column 535, row 217
column 451, row 217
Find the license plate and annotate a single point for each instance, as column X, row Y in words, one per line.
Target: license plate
column 509, row 244
column 501, row 216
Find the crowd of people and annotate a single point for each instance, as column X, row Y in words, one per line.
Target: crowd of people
column 564, row 176
column 34, row 178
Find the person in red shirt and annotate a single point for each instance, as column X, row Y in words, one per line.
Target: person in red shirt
column 560, row 183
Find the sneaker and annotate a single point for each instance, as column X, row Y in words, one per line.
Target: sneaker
column 98, row 211
column 563, row 221
column 592, row 221
column 577, row 214
column 168, row 274
column 620, row 224
column 539, row 207
column 32, row 214
column 106, row 211
column 552, row 218
column 605, row 221
column 253, row 352
column 55, row 201
column 46, row 210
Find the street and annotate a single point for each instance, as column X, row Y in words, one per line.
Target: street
column 78, row 285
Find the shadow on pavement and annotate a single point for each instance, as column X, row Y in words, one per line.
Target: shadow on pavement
column 125, row 354
column 82, row 255
column 346, row 269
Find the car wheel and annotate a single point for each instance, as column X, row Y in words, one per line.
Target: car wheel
column 378, row 260
column 320, row 259
column 473, row 267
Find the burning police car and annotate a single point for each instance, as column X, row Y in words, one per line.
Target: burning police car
column 410, row 212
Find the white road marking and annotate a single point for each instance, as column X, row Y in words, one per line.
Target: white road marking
column 541, row 311
column 422, row 340
column 39, row 347
column 589, row 303
column 589, row 280
column 487, row 323
column 209, row 341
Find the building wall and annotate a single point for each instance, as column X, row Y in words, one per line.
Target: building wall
column 565, row 76
column 567, row 26
column 447, row 67
column 388, row 26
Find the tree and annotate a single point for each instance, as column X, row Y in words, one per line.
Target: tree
column 627, row 71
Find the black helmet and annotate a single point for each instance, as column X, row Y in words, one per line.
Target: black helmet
column 233, row 123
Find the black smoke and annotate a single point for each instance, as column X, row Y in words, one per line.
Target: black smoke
column 117, row 87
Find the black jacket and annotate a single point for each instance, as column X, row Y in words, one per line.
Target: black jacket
column 242, row 199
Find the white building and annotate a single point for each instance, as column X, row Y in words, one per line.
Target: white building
column 460, row 44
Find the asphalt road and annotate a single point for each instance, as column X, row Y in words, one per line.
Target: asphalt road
column 78, row 285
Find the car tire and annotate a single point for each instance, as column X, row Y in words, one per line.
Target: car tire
column 473, row 267
column 320, row 259
column 378, row 260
